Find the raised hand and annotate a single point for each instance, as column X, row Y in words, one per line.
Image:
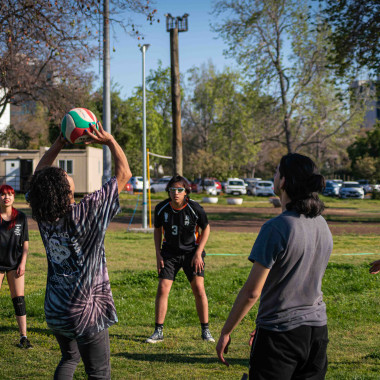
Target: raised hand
column 99, row 136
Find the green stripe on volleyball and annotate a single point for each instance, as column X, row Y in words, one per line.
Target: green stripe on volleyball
column 74, row 124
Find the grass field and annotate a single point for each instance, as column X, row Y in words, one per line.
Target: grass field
column 350, row 292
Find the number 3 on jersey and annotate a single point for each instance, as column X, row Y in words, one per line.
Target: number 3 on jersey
column 174, row 230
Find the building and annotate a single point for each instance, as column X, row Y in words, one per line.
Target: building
column 368, row 88
column 85, row 166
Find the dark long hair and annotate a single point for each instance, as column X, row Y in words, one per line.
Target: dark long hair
column 302, row 184
column 7, row 189
column 49, row 194
column 179, row 179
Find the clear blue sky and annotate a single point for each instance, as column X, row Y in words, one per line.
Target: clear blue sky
column 196, row 46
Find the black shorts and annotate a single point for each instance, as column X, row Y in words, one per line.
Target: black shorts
column 297, row 354
column 8, row 270
column 173, row 264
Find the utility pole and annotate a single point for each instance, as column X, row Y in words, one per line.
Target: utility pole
column 174, row 25
column 106, row 89
column 143, row 49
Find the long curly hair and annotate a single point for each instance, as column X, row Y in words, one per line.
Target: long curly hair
column 49, row 194
column 7, row 189
column 302, row 184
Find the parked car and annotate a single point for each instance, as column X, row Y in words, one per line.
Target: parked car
column 251, row 180
column 194, row 185
column 339, row 182
column 160, row 185
column 251, row 185
column 137, row 183
column 351, row 189
column 208, row 185
column 218, row 186
column 265, row 188
column 235, row 186
column 128, row 188
column 251, row 188
column 367, row 187
column 331, row 189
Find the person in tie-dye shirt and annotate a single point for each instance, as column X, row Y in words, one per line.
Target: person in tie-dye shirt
column 79, row 306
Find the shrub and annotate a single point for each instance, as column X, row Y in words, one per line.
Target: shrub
column 375, row 194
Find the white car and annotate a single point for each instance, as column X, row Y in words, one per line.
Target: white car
column 138, row 183
column 265, row 188
column 235, row 186
column 160, row 185
column 207, row 185
column 351, row 190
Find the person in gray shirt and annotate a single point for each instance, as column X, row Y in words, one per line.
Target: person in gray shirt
column 289, row 258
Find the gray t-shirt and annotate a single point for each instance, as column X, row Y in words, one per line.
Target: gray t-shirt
column 296, row 249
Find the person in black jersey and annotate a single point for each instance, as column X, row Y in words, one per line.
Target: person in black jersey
column 179, row 218
column 14, row 244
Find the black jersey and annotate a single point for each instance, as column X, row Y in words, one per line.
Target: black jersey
column 180, row 227
column 12, row 241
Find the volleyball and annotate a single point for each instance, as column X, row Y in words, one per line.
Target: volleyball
column 74, row 124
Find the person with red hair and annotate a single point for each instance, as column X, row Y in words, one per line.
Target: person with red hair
column 14, row 244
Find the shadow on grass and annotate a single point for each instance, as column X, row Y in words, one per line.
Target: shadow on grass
column 36, row 330
column 195, row 358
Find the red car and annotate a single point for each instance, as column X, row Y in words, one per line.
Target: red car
column 218, row 186
column 128, row 188
column 194, row 185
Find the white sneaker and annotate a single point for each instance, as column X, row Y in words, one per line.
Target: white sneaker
column 157, row 336
column 206, row 336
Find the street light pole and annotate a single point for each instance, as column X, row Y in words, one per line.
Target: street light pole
column 106, row 90
column 143, row 49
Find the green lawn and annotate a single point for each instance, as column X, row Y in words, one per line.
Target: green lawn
column 351, row 295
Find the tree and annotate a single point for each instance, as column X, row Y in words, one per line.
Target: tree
column 14, row 139
column 308, row 107
column 367, row 167
column 223, row 119
column 365, row 154
column 31, row 118
column 126, row 117
column 204, row 164
column 45, row 48
column 355, row 37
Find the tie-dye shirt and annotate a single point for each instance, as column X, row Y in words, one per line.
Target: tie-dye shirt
column 78, row 298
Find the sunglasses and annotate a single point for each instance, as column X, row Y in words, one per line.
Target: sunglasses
column 179, row 189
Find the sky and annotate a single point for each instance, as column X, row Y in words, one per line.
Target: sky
column 196, row 46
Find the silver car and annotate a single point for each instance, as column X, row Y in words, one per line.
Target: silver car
column 331, row 189
column 351, row 190
column 207, row 185
column 265, row 188
column 160, row 185
column 138, row 183
column 251, row 185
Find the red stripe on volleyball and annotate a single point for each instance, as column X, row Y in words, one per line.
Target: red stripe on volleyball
column 89, row 113
column 76, row 133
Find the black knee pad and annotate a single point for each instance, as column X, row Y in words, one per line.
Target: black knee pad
column 19, row 305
